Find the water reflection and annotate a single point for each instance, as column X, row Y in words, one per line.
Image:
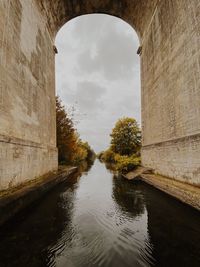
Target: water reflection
column 97, row 219
column 31, row 239
column 130, row 199
column 85, row 166
column 173, row 229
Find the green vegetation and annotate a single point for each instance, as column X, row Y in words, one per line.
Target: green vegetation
column 126, row 137
column 71, row 149
column 124, row 151
column 83, row 152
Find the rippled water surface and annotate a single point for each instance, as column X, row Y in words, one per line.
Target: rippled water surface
column 100, row 220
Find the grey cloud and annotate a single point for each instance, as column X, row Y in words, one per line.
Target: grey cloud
column 89, row 94
column 115, row 52
column 67, row 93
column 87, row 28
column 98, row 71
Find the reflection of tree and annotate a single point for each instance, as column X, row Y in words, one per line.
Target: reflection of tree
column 174, row 230
column 85, row 166
column 173, row 227
column 35, row 235
column 110, row 167
column 128, row 196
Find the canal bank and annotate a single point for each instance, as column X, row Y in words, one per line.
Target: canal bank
column 187, row 193
column 99, row 219
column 16, row 199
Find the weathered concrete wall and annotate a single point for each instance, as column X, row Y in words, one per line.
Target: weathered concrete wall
column 178, row 159
column 169, row 33
column 27, row 94
column 171, row 91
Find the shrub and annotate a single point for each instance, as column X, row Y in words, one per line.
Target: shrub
column 126, row 164
column 108, row 156
column 100, row 155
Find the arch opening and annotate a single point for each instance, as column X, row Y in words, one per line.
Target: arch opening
column 98, row 71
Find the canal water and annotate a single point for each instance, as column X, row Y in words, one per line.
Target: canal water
column 97, row 219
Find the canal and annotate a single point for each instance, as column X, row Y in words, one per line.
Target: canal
column 97, row 219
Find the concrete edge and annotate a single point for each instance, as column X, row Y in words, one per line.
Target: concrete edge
column 184, row 192
column 188, row 194
column 21, row 197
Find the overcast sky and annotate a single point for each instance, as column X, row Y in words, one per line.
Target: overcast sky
column 98, row 72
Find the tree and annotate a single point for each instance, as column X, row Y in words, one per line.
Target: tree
column 126, row 137
column 71, row 149
column 84, row 152
column 66, row 134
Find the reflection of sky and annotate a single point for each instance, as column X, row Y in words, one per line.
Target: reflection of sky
column 104, row 234
column 97, row 71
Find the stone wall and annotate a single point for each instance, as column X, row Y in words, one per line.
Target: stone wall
column 178, row 159
column 171, row 91
column 170, row 72
column 169, row 32
column 22, row 161
column 27, row 94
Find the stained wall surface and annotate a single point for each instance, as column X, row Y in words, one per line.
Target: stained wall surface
column 27, row 94
column 169, row 32
column 171, row 91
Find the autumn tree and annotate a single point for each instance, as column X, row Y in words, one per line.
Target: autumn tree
column 66, row 134
column 71, row 149
column 126, row 137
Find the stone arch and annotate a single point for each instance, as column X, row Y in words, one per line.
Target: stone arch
column 169, row 32
column 137, row 13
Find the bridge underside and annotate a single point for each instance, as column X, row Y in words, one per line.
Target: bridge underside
column 169, row 33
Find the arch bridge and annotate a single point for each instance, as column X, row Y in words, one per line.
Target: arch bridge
column 169, row 34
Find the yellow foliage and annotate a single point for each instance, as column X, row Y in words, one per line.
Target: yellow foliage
column 125, row 164
column 71, row 150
